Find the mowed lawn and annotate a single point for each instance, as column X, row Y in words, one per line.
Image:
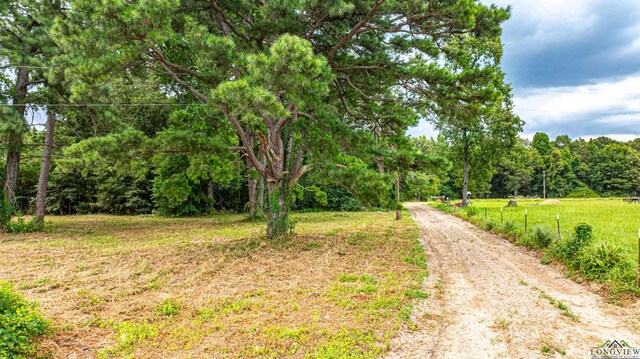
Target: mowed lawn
column 213, row 287
column 613, row 220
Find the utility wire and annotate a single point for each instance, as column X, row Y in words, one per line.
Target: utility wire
column 101, row 104
column 204, row 104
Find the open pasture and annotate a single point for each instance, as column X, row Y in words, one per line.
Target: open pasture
column 612, row 219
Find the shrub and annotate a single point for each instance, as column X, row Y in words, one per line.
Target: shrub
column 472, row 211
column 569, row 251
column 598, row 261
column 510, row 230
column 582, row 192
column 24, row 226
column 489, row 225
column 20, row 324
column 540, row 237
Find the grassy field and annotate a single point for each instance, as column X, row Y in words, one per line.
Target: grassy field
column 214, row 287
column 612, row 219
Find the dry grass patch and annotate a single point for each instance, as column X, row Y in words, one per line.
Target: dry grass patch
column 214, row 287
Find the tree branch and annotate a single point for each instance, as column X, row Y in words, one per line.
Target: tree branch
column 202, row 97
column 353, row 31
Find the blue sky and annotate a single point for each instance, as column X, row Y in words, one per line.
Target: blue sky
column 574, row 66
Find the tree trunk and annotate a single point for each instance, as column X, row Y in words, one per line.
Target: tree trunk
column 252, row 184
column 210, row 190
column 397, row 196
column 43, row 180
column 15, row 138
column 13, row 165
column 261, row 193
column 277, row 211
column 465, row 181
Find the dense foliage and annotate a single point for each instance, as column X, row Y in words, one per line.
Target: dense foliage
column 573, row 168
column 20, row 324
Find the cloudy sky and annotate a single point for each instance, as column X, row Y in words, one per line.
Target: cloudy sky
column 574, row 66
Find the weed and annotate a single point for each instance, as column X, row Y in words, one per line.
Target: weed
column 540, row 237
column 130, row 334
column 167, row 307
column 560, row 305
column 416, row 294
column 348, row 344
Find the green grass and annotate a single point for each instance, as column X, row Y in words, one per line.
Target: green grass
column 613, row 220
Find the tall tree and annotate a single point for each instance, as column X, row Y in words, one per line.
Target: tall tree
column 43, row 180
column 371, row 46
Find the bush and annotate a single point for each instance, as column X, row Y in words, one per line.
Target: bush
column 540, row 237
column 582, row 192
column 569, row 251
column 20, row 324
column 24, row 226
column 489, row 225
column 598, row 261
column 472, row 211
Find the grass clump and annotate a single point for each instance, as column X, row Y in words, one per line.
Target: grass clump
column 471, row 211
column 130, row 335
column 20, row 324
column 416, row 294
column 348, row 344
column 168, row 307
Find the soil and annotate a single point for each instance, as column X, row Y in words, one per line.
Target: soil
column 492, row 299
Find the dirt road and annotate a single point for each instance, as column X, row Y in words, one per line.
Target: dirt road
column 491, row 299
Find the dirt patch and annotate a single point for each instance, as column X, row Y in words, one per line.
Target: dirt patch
column 491, row 299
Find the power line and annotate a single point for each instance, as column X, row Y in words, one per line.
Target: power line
column 100, row 104
column 28, row 67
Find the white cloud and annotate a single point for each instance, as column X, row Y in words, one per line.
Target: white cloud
column 593, row 110
column 540, row 23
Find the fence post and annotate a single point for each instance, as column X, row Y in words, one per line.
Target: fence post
column 485, row 212
column 525, row 220
column 501, row 218
column 558, row 221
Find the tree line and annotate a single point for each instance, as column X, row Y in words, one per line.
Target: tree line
column 185, row 107
column 599, row 167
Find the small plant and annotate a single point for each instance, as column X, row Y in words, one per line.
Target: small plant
column 168, row 307
column 510, row 230
column 20, row 324
column 489, row 225
column 24, row 226
column 540, row 237
column 416, row 294
column 472, row 211
column 600, row 260
column 129, row 336
column 569, row 251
